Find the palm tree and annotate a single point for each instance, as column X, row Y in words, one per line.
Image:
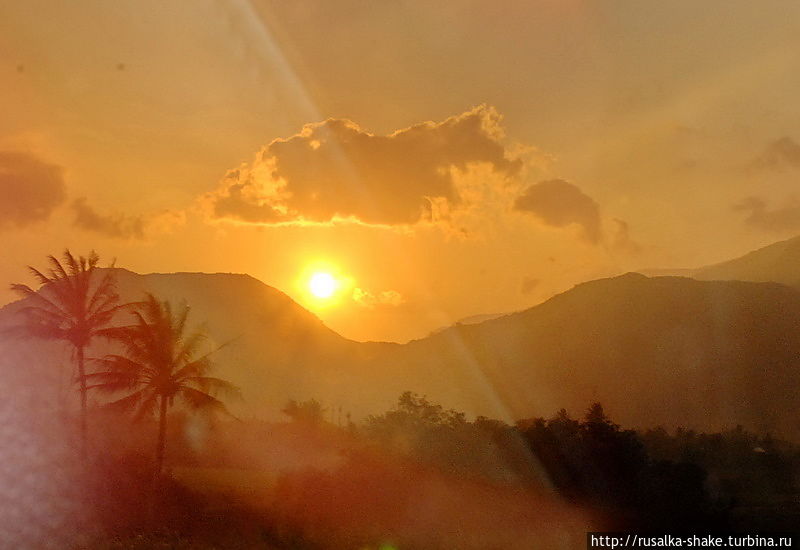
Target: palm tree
column 70, row 307
column 160, row 363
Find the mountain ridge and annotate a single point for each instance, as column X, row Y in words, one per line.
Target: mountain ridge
column 771, row 263
column 654, row 350
column 691, row 330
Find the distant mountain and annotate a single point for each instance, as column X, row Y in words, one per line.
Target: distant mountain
column 664, row 350
column 778, row 262
column 667, row 350
column 667, row 272
column 276, row 349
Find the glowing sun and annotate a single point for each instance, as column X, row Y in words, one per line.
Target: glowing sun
column 322, row 284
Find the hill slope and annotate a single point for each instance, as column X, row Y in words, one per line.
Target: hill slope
column 275, row 348
column 664, row 350
column 777, row 262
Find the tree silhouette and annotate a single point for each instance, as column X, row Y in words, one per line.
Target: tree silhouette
column 160, row 362
column 309, row 412
column 69, row 307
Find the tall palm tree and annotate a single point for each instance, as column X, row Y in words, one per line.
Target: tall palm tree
column 71, row 305
column 160, row 362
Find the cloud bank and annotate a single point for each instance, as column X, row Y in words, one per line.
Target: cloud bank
column 337, row 170
column 460, row 174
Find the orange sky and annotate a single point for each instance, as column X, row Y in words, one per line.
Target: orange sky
column 444, row 159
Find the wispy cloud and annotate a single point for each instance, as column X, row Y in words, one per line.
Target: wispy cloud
column 383, row 298
column 122, row 226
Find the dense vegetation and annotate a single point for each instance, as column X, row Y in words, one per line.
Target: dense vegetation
column 360, row 483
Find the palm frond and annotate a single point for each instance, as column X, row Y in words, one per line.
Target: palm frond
column 35, row 314
column 129, row 403
column 189, row 346
column 197, row 367
column 179, row 323
column 111, row 381
column 93, row 259
column 23, row 290
column 106, row 287
column 215, row 386
column 27, row 292
column 119, row 363
column 71, row 262
column 43, row 279
column 201, row 401
column 57, row 270
column 101, row 302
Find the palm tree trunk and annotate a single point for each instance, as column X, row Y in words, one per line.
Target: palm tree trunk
column 162, row 436
column 84, row 408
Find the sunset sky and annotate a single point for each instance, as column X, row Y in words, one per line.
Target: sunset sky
column 438, row 159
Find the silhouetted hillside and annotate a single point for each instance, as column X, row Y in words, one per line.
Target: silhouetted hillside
column 471, row 320
column 666, row 350
column 776, row 262
column 274, row 348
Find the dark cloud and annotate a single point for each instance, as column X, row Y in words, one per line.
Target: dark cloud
column 335, row 169
column 29, row 189
column 780, row 219
column 781, row 153
column 118, row 226
column 559, row 203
